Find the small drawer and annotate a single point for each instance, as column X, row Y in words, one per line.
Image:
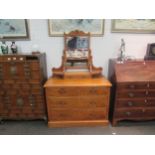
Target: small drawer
column 132, row 86
column 34, row 65
column 62, row 91
column 152, row 85
column 94, row 91
column 60, row 115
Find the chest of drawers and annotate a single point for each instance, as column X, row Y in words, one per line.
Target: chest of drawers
column 133, row 92
column 77, row 102
column 21, row 86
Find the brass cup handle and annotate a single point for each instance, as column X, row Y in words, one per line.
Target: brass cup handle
column 93, row 103
column 61, row 103
column 93, row 91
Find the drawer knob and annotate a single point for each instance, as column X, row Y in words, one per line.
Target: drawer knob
column 61, row 103
column 20, row 102
column 131, row 94
column 130, row 103
column 13, row 70
column 128, row 113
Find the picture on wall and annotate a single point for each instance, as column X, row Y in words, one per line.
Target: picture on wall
column 133, row 25
column 14, row 29
column 57, row 27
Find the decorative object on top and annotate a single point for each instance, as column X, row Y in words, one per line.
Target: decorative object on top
column 77, row 55
column 133, row 25
column 121, row 57
column 14, row 29
column 150, row 53
column 57, row 27
column 14, row 48
column 4, row 48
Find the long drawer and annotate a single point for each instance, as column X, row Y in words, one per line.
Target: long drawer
column 135, row 113
column 129, row 103
column 74, row 91
column 76, row 114
column 77, row 102
column 135, row 93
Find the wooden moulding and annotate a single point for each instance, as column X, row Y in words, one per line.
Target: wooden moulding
column 77, row 123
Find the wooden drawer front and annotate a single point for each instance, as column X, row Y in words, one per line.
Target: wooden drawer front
column 94, row 91
column 62, row 91
column 34, row 65
column 76, row 102
column 132, row 86
column 130, row 113
column 60, row 115
column 133, row 103
column 132, row 94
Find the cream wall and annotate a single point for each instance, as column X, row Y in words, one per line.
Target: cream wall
column 103, row 48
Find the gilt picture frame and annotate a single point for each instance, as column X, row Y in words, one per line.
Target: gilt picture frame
column 57, row 27
column 14, row 29
column 133, row 26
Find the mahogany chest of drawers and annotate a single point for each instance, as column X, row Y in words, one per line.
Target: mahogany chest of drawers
column 77, row 102
column 133, row 91
column 21, row 86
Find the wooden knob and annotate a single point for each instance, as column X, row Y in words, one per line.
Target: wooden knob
column 131, row 94
column 130, row 103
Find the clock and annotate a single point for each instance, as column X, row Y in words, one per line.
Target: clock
column 150, row 53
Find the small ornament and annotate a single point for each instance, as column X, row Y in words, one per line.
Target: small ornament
column 14, row 48
column 122, row 51
column 4, row 48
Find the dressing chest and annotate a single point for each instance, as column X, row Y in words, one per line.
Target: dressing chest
column 77, row 101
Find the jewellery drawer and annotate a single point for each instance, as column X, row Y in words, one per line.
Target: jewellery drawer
column 62, row 91
column 94, row 91
column 130, row 113
column 80, row 102
column 132, row 86
column 75, row 114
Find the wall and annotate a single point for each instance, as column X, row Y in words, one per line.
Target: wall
column 103, row 48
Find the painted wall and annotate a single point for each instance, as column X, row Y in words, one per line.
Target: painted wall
column 103, row 48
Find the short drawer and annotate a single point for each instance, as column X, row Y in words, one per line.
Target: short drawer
column 62, row 91
column 73, row 114
column 77, row 102
column 132, row 86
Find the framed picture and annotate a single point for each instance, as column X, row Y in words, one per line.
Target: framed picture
column 133, row 25
column 57, row 27
column 14, row 29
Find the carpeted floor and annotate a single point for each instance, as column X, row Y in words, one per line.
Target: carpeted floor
column 39, row 127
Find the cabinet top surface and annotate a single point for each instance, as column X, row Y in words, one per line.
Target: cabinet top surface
column 101, row 81
column 135, row 71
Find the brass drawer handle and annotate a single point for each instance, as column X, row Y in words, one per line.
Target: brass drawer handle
column 61, row 103
column 61, row 91
column 93, row 91
column 20, row 102
column 13, row 70
column 130, row 103
column 132, row 86
column 93, row 103
column 131, row 94
column 128, row 113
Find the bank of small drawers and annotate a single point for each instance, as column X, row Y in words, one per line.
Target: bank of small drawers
column 21, row 87
column 134, row 101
